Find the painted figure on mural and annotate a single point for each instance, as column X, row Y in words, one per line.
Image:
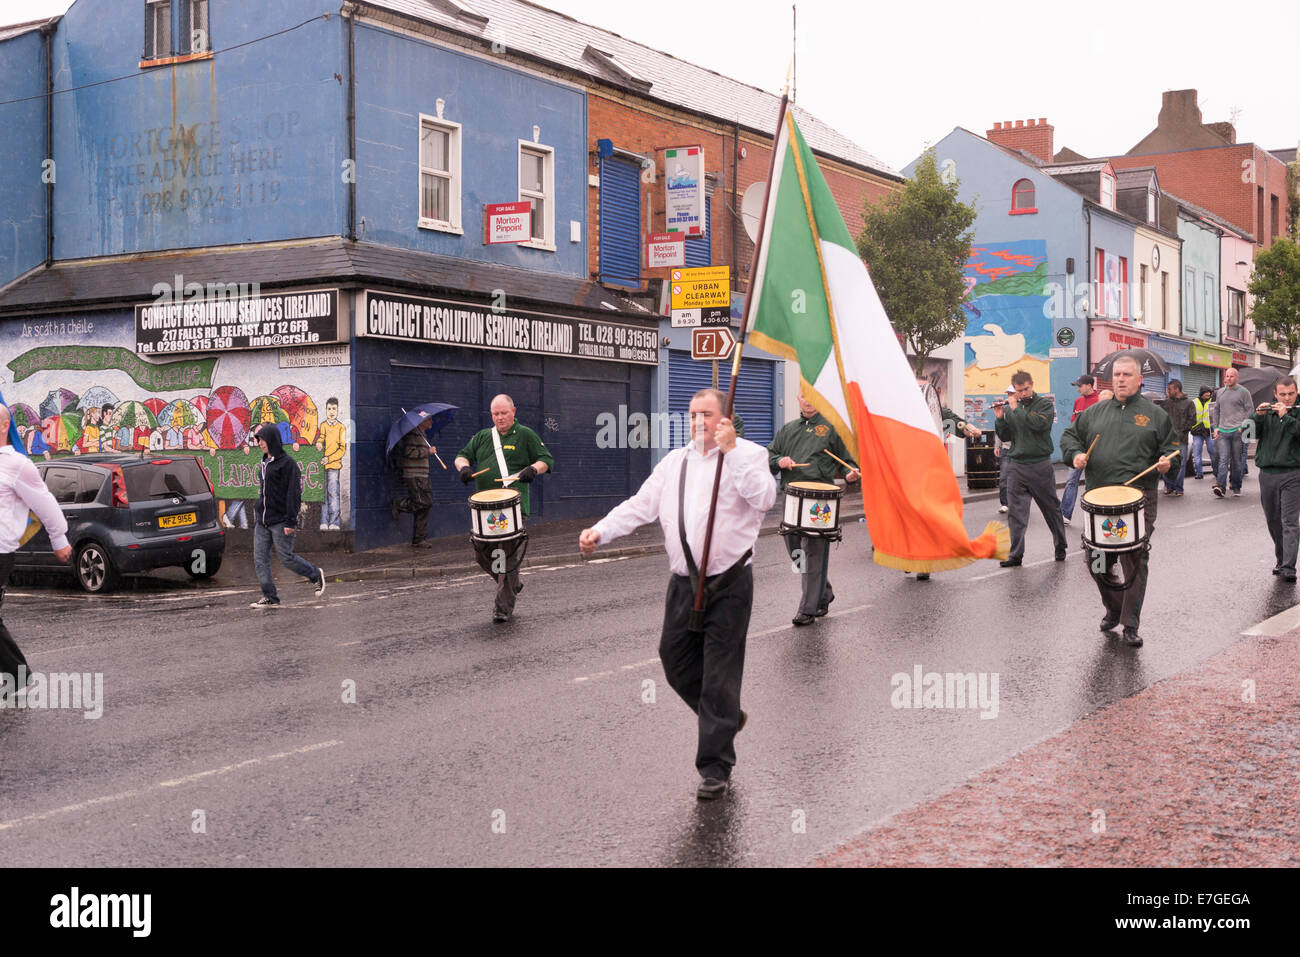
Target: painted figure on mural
column 89, row 441
column 332, row 440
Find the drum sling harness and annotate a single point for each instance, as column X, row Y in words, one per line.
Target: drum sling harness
column 711, row 585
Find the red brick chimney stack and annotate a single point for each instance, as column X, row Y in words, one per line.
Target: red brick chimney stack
column 1033, row 136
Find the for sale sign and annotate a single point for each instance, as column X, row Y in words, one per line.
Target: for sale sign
column 507, row 222
column 665, row 249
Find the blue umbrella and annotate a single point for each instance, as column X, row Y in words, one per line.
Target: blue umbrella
column 439, row 412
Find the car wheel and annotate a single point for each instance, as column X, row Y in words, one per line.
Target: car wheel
column 212, row 565
column 94, row 568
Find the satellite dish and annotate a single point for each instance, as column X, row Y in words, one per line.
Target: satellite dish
column 751, row 209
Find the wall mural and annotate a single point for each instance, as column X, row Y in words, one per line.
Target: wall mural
column 70, row 399
column 1007, row 328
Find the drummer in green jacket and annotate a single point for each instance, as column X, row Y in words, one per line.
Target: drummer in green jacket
column 1132, row 434
column 525, row 457
column 798, row 453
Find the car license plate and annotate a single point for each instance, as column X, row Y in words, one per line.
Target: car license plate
column 178, row 521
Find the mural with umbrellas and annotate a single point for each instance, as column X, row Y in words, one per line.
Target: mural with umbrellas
column 227, row 416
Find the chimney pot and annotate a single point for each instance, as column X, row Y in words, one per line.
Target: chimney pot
column 997, row 126
column 1042, row 121
column 1033, row 122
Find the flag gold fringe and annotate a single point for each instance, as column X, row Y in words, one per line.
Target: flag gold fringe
column 1002, row 547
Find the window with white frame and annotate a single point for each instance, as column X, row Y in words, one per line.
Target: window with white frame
column 1151, row 207
column 196, row 38
column 1107, row 190
column 439, row 174
column 537, row 185
column 157, row 29
column 1236, row 315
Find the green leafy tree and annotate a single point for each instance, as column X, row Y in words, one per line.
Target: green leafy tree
column 915, row 242
column 1275, row 285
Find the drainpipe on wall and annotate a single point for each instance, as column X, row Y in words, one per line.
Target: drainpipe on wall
column 736, row 222
column 47, row 32
column 1092, row 306
column 348, row 12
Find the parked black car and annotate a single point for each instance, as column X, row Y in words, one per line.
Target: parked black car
column 129, row 513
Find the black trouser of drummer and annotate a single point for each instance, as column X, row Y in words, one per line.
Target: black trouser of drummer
column 1125, row 607
column 705, row 668
column 813, row 552
column 508, row 586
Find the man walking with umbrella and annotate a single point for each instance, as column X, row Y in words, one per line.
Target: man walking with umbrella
column 505, row 450
column 413, row 453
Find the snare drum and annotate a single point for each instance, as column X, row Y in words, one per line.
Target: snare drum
column 812, row 508
column 1115, row 518
column 497, row 530
column 496, row 513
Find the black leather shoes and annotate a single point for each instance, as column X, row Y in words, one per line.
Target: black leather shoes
column 923, row 577
column 1277, row 569
column 1060, row 554
column 1109, row 624
column 1132, row 638
column 1011, row 563
column 500, row 616
column 825, row 609
column 801, row 620
column 1288, row 574
column 711, row 789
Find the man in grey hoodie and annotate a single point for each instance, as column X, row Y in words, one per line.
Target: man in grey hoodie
column 1232, row 407
column 278, row 500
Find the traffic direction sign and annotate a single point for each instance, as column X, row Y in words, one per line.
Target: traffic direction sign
column 712, row 343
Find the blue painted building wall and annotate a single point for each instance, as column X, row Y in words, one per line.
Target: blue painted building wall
column 22, row 148
column 1200, row 266
column 243, row 147
column 400, row 77
column 1017, row 276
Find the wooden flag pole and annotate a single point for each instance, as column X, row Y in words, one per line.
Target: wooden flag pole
column 698, row 610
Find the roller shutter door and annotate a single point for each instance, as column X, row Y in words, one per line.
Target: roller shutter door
column 754, row 391
column 620, row 222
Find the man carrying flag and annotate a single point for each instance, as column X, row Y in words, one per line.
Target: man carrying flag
column 21, row 489
column 815, row 303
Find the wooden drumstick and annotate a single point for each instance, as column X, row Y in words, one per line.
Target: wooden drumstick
column 480, row 472
column 800, row 465
column 1088, row 453
column 1171, row 457
column 851, row 468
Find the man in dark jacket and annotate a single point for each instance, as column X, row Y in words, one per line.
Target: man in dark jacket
column 1277, row 427
column 278, row 500
column 413, row 452
column 1131, row 434
column 1026, row 421
column 1182, row 413
column 798, row 454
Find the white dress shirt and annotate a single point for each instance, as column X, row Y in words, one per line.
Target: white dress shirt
column 21, row 489
column 746, row 492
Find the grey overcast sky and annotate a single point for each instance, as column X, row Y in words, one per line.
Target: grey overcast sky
column 894, row 76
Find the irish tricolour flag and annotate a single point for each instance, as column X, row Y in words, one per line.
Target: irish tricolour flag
column 816, row 305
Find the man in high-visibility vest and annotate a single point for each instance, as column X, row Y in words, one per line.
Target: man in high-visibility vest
column 1201, row 436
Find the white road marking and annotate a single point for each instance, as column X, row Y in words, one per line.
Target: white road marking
column 176, row 782
column 1007, row 571
column 1197, row 521
column 752, row 634
column 1278, row 625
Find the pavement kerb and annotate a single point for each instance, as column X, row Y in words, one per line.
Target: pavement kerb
column 404, row 570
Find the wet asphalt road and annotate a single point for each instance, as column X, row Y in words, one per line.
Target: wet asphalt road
column 535, row 742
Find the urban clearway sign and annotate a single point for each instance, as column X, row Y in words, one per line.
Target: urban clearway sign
column 712, row 343
column 701, row 296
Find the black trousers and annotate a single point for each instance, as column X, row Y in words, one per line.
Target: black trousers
column 1126, row 606
column 705, row 669
column 11, row 655
column 817, row 590
column 1033, row 484
column 418, row 502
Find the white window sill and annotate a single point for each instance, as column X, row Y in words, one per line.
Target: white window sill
column 440, row 227
column 535, row 244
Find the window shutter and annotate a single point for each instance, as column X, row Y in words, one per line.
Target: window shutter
column 754, row 391
column 148, row 32
column 620, row 222
column 185, row 45
column 699, row 252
